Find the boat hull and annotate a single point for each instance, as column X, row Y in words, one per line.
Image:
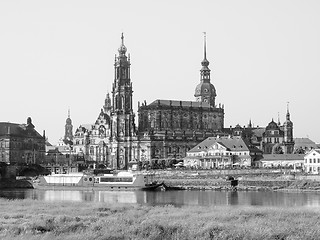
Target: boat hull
column 90, row 182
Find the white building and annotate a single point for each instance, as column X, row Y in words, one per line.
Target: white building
column 294, row 161
column 221, row 152
column 312, row 161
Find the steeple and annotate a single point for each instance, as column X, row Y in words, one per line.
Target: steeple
column 205, row 62
column 68, row 135
column 205, row 91
column 288, row 113
column 121, row 113
column 122, row 86
column 288, row 133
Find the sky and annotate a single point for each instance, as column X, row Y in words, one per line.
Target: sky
column 59, row 55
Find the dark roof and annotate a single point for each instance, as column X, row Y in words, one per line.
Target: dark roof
column 15, row 129
column 176, row 103
column 304, row 142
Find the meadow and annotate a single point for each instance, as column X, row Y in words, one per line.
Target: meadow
column 32, row 219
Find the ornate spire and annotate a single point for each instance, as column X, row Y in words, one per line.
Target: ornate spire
column 122, row 49
column 205, row 62
column 69, row 112
column 288, row 113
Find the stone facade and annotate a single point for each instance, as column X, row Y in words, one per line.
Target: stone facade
column 21, row 143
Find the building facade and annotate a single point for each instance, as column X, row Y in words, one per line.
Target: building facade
column 21, row 143
column 222, row 152
column 167, row 129
column 272, row 139
column 312, row 161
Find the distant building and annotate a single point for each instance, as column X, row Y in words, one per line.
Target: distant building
column 21, row 143
column 312, row 161
column 272, row 139
column 294, row 161
column 221, row 152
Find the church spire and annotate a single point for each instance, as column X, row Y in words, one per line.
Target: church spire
column 205, row 62
column 288, row 113
column 205, row 91
column 205, row 45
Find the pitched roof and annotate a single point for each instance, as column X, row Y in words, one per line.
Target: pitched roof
column 231, row 143
column 15, row 129
column 304, row 143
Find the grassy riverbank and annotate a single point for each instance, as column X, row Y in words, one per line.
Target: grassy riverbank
column 30, row 219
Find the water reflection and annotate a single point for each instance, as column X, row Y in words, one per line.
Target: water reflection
column 176, row 198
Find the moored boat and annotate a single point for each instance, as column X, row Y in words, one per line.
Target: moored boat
column 111, row 181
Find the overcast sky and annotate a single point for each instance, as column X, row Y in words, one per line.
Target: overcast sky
column 56, row 55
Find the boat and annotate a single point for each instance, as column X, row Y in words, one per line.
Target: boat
column 122, row 180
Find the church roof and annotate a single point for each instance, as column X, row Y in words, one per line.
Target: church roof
column 177, row 103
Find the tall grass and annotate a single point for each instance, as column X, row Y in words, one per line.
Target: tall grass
column 32, row 219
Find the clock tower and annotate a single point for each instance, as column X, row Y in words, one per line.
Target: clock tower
column 205, row 91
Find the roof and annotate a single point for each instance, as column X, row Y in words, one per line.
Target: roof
column 312, row 152
column 15, row 129
column 176, row 103
column 304, row 143
column 231, row 143
column 282, row 157
column 258, row 131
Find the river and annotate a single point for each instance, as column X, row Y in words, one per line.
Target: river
column 176, row 198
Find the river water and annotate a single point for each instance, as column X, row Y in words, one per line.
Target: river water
column 176, row 198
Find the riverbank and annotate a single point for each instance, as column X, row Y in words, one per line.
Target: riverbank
column 31, row 219
column 247, row 181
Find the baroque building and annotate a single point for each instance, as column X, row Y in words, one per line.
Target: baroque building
column 21, row 143
column 272, row 139
column 170, row 128
column 167, row 129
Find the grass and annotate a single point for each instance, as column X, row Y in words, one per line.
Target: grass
column 32, row 219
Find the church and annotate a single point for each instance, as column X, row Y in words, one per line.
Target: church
column 166, row 130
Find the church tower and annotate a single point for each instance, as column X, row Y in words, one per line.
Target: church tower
column 122, row 116
column 288, row 134
column 205, row 91
column 68, row 135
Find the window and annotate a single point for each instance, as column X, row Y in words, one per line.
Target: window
column 314, row 160
column 310, row 160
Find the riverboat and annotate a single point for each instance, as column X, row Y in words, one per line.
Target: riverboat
column 111, row 181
